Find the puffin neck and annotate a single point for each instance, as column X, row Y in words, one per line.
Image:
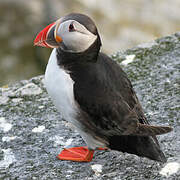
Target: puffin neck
column 66, row 58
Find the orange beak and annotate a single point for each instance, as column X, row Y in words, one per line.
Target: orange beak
column 47, row 37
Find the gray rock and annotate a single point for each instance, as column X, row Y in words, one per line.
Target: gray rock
column 4, row 100
column 35, row 133
column 29, row 89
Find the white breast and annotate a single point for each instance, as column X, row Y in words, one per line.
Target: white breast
column 60, row 87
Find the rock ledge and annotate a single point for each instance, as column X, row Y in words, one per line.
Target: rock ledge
column 32, row 132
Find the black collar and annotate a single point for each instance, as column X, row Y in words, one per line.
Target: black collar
column 66, row 58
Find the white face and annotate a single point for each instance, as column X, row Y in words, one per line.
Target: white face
column 75, row 36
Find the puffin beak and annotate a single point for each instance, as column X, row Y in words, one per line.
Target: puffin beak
column 48, row 36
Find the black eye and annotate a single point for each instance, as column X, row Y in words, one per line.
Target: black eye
column 71, row 27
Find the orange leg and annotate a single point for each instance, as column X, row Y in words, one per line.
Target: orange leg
column 81, row 154
column 102, row 148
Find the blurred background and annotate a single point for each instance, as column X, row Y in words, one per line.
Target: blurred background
column 122, row 24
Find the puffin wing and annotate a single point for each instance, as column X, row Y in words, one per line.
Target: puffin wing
column 108, row 98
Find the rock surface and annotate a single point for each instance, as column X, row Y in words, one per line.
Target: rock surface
column 32, row 132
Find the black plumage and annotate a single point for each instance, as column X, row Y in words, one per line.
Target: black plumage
column 110, row 109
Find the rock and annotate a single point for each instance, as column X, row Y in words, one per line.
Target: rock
column 29, row 90
column 4, row 125
column 36, row 133
column 3, row 100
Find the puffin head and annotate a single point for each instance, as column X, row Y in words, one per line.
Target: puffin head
column 72, row 33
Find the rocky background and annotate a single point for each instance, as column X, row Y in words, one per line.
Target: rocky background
column 32, row 132
column 122, row 24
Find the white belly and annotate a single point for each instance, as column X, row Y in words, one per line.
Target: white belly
column 60, row 87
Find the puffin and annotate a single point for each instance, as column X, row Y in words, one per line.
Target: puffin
column 94, row 94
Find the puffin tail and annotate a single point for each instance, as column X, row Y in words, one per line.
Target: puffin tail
column 145, row 146
column 149, row 130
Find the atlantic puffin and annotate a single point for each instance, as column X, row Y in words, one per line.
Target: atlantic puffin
column 94, row 94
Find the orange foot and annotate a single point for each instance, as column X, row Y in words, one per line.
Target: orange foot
column 102, row 149
column 81, row 154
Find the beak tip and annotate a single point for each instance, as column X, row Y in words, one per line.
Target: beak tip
column 41, row 38
column 35, row 43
